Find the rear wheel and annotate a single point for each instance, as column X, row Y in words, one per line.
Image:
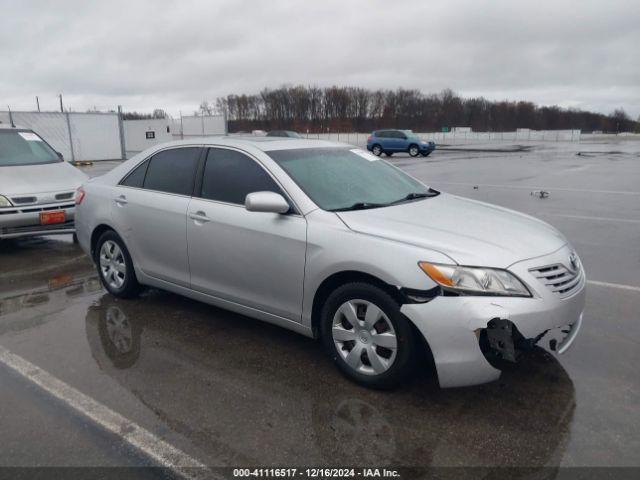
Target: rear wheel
column 368, row 338
column 115, row 266
column 414, row 150
column 377, row 150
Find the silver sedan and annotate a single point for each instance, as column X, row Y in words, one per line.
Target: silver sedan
column 37, row 188
column 334, row 243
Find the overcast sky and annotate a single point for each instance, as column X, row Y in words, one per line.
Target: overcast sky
column 173, row 54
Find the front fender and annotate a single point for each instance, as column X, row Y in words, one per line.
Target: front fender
column 333, row 248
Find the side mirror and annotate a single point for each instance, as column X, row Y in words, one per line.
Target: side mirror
column 60, row 156
column 266, row 202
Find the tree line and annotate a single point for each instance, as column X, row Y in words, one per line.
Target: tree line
column 349, row 109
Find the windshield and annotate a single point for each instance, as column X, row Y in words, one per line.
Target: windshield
column 411, row 135
column 24, row 148
column 343, row 179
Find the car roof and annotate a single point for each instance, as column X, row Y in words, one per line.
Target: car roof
column 394, row 130
column 262, row 143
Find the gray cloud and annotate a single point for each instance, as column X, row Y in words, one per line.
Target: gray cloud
column 174, row 54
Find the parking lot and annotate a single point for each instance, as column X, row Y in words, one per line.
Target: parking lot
column 227, row 390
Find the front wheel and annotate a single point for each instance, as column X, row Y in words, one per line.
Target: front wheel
column 115, row 266
column 377, row 150
column 414, row 150
column 368, row 338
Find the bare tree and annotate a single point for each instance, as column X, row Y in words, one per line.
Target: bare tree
column 353, row 108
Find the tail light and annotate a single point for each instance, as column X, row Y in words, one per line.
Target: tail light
column 80, row 194
column 370, row 138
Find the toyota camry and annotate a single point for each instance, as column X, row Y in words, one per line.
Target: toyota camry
column 335, row 243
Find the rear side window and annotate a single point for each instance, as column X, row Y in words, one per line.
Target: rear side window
column 381, row 134
column 229, row 176
column 173, row 171
column 136, row 178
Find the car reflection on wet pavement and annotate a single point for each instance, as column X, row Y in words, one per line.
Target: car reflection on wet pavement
column 242, row 385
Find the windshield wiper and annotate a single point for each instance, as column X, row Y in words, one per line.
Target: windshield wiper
column 359, row 206
column 406, row 198
column 416, row 195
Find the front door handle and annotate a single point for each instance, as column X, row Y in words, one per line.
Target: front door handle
column 121, row 201
column 199, row 217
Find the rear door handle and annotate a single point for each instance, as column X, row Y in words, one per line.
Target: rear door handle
column 121, row 200
column 199, row 216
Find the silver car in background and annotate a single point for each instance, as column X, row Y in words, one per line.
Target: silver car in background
column 37, row 188
column 332, row 242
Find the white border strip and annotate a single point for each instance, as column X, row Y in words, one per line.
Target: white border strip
column 164, row 454
column 614, row 285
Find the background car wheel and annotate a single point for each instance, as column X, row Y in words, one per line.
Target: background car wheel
column 414, row 150
column 426, row 154
column 377, row 150
column 388, row 154
column 115, row 266
column 367, row 336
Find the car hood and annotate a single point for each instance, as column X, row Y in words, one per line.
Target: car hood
column 31, row 179
column 467, row 231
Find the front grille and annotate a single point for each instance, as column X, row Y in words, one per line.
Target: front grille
column 558, row 278
column 64, row 196
column 23, row 200
column 37, row 228
column 10, row 211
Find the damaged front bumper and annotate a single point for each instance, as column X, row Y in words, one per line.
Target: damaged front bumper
column 465, row 333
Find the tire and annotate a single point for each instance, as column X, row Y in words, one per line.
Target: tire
column 376, row 150
column 388, row 154
column 115, row 267
column 426, row 154
column 372, row 364
column 414, row 150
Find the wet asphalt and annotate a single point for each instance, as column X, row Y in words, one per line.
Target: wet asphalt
column 232, row 391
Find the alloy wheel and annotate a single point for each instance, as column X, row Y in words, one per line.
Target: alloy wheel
column 364, row 337
column 112, row 264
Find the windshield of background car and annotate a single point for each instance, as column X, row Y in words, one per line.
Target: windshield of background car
column 412, row 135
column 337, row 178
column 24, row 148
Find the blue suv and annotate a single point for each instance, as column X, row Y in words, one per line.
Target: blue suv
column 392, row 141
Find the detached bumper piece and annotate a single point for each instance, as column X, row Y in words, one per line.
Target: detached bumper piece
column 501, row 341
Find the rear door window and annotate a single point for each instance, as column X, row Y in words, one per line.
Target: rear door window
column 173, row 170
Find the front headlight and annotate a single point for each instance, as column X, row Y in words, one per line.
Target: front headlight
column 475, row 280
column 4, row 202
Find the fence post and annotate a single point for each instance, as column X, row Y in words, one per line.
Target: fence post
column 123, row 147
column 73, row 157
